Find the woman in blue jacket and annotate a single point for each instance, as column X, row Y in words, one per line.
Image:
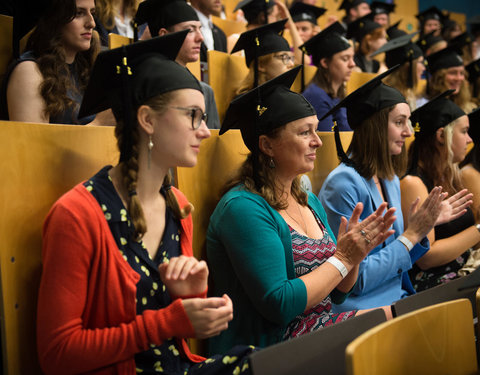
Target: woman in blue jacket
column 379, row 116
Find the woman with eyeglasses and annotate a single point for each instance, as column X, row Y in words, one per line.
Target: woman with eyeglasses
column 120, row 289
column 267, row 55
column 333, row 56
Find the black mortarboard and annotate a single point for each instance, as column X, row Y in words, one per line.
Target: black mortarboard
column 435, row 114
column 379, row 7
column 473, row 70
column 443, row 59
column 252, row 8
column 399, row 50
column 326, row 43
column 460, row 41
column 262, row 41
column 265, row 108
column 474, row 130
column 394, row 32
column 428, row 40
column 361, row 27
column 163, row 14
column 348, row 4
column 427, row 119
column 306, row 12
column 126, row 77
column 364, row 102
column 474, row 23
column 151, row 70
column 432, row 13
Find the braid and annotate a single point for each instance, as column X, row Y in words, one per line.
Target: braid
column 172, row 202
column 129, row 170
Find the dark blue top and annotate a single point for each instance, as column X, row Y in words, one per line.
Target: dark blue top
column 69, row 116
column 322, row 102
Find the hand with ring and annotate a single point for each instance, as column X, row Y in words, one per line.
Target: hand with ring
column 356, row 239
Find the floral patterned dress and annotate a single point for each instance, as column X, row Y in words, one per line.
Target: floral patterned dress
column 151, row 292
column 308, row 254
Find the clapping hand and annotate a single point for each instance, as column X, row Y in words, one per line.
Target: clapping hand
column 454, row 207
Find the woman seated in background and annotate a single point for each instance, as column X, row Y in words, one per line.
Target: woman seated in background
column 267, row 55
column 305, row 18
column 115, row 16
column 446, row 72
column 257, row 11
column 429, row 44
column 470, row 166
column 333, row 56
column 378, row 115
column 269, row 245
column 405, row 79
column 47, row 82
column 441, row 140
column 120, row 289
column 369, row 36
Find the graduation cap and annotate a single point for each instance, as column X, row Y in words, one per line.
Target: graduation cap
column 394, row 32
column 379, row 7
column 435, row 114
column 265, row 108
column 427, row 119
column 364, row 102
column 348, row 4
column 432, row 13
column 261, row 41
column 252, row 8
column 428, row 40
column 306, row 12
column 361, row 27
column 399, row 51
column 473, row 70
column 474, row 129
column 460, row 41
column 443, row 59
column 326, row 43
column 126, row 77
column 163, row 14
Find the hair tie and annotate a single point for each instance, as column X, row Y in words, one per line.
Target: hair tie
column 131, row 193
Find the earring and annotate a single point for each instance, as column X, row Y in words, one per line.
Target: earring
column 150, row 146
column 271, row 163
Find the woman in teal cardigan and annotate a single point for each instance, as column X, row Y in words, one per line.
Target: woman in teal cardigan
column 269, row 245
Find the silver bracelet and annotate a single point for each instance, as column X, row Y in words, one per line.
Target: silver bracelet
column 338, row 265
column 408, row 244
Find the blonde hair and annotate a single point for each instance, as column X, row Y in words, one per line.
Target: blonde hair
column 435, row 161
column 106, row 10
column 247, row 83
column 437, row 84
column 129, row 168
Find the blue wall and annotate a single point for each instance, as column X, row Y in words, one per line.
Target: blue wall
column 469, row 7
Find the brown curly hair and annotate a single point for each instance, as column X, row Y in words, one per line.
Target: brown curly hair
column 267, row 187
column 46, row 44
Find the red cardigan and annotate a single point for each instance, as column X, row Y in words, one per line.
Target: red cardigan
column 86, row 318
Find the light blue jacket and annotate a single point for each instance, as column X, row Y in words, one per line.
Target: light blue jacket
column 381, row 273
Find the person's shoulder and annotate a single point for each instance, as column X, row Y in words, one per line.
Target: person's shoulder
column 411, row 181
